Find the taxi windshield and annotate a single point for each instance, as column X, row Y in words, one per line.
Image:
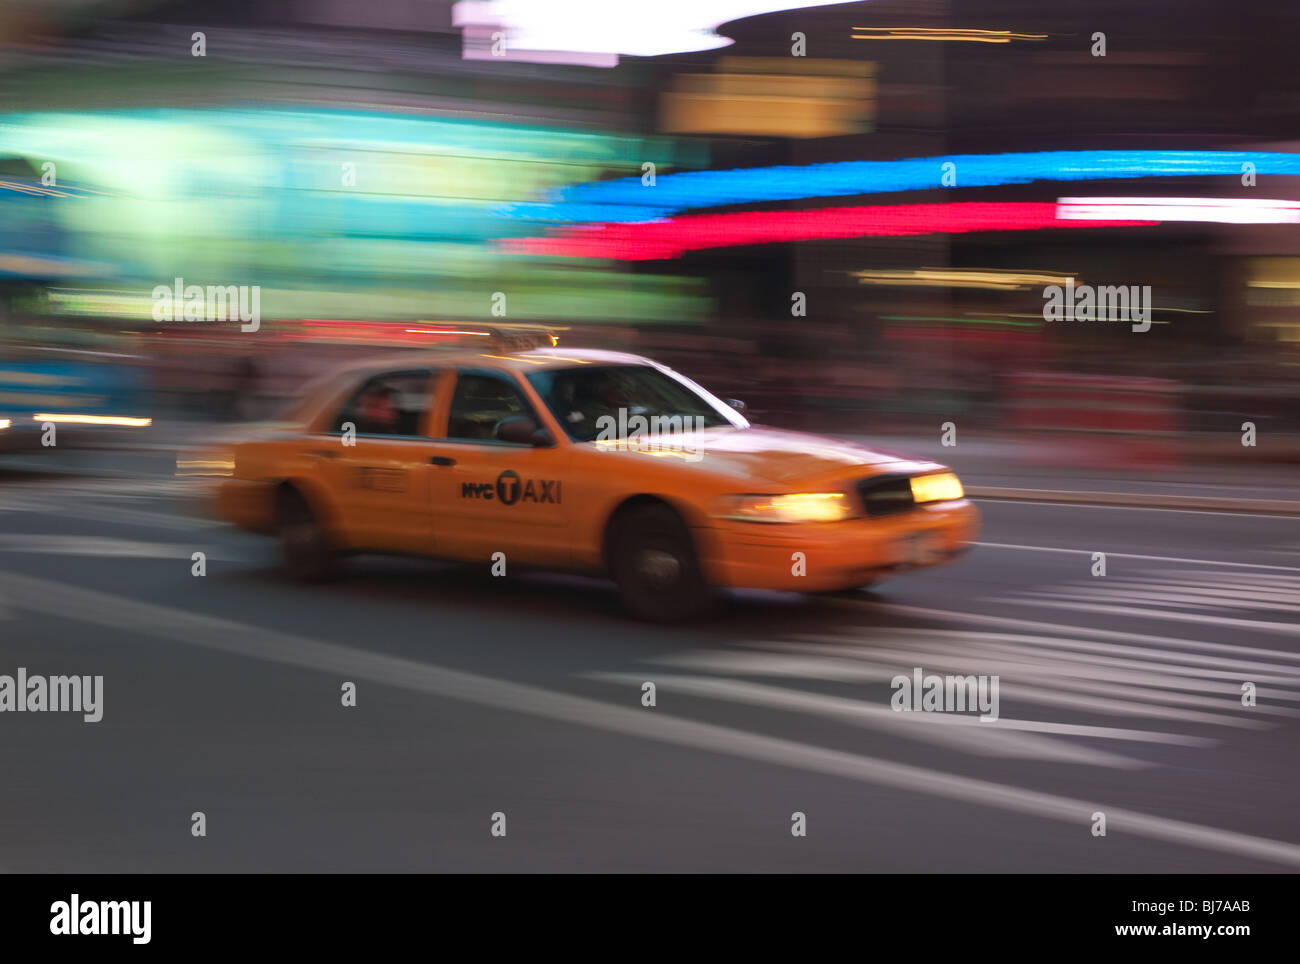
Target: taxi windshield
column 603, row 401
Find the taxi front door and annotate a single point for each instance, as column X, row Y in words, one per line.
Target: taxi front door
column 493, row 496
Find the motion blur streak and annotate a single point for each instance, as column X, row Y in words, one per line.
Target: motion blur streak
column 93, row 419
column 993, row 280
column 1046, row 247
column 208, row 632
column 601, row 200
column 670, row 239
column 958, row 34
column 1209, row 210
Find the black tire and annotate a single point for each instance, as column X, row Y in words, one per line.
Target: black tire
column 847, row 593
column 306, row 553
column 653, row 562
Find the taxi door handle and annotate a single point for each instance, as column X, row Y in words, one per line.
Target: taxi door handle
column 324, row 454
column 441, row 460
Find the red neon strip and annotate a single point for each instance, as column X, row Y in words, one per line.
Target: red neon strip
column 673, row 237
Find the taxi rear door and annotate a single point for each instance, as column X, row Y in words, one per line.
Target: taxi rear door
column 374, row 460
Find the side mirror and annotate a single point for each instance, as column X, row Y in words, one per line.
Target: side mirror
column 735, row 403
column 517, row 428
column 523, row 430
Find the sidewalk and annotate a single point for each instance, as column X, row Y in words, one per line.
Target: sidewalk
column 1222, row 478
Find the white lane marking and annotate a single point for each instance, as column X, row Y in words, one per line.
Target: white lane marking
column 1063, row 675
column 1257, row 591
column 964, row 733
column 1144, row 594
column 1066, row 629
column 103, row 513
column 1021, row 664
column 192, row 629
column 1155, row 594
column 103, row 546
column 1081, row 651
column 1053, row 689
column 1199, row 664
column 1148, row 600
column 1254, row 581
column 111, row 487
column 839, row 706
column 1273, row 517
column 1130, row 555
column 1061, row 669
column 1288, row 629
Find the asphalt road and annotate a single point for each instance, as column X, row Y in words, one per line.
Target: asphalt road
column 523, row 696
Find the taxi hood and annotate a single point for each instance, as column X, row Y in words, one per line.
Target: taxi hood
column 786, row 457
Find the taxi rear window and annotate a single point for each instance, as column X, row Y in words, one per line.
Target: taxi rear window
column 392, row 404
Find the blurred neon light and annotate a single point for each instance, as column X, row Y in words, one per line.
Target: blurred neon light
column 595, row 32
column 960, row 34
column 33, row 189
column 1217, row 210
column 628, row 200
column 446, row 331
column 671, row 239
column 990, row 278
column 996, row 322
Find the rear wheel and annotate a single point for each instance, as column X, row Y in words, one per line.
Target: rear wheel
column 305, row 550
column 653, row 562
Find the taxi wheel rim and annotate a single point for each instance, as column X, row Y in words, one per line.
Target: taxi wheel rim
column 660, row 569
column 301, row 538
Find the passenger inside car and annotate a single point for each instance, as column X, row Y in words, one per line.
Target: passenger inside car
column 481, row 402
column 378, row 413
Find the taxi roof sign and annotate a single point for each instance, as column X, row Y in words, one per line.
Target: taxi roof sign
column 501, row 338
column 525, row 338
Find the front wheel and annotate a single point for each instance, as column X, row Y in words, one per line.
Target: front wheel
column 653, row 562
column 849, row 592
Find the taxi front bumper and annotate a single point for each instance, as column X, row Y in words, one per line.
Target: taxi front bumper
column 827, row 556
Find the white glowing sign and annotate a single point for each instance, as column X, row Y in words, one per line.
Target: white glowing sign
column 596, row 32
column 1218, row 210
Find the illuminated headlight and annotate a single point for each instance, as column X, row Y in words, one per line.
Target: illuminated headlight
column 936, row 488
column 797, row 507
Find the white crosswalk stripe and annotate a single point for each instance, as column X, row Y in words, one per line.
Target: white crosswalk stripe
column 1152, row 690
column 196, row 630
column 1268, row 601
column 109, row 500
column 108, row 488
column 104, row 547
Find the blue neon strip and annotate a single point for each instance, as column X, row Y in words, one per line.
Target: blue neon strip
column 628, row 200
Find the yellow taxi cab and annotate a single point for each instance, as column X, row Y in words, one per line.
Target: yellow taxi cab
column 581, row 460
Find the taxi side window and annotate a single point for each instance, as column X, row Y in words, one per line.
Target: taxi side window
column 481, row 402
column 390, row 404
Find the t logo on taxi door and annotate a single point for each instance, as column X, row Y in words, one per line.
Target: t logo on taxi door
column 508, row 487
